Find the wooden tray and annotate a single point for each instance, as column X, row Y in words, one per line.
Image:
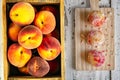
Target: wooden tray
column 82, row 27
column 5, row 17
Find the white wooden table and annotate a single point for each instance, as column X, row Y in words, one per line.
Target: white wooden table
column 1, row 44
column 71, row 73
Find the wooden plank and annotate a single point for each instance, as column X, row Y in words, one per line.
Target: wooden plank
column 31, row 78
column 62, row 40
column 82, row 48
column 35, row 1
column 94, row 4
column 4, row 31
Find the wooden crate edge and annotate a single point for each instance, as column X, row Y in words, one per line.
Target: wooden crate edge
column 31, row 78
column 62, row 39
column 4, row 27
column 34, row 1
column 6, row 69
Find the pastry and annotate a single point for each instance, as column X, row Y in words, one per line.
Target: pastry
column 96, row 18
column 96, row 58
column 95, row 37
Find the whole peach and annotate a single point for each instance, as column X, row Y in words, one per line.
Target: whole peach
column 23, row 70
column 13, row 31
column 18, row 55
column 45, row 20
column 38, row 67
column 30, row 37
column 51, row 9
column 49, row 48
column 22, row 13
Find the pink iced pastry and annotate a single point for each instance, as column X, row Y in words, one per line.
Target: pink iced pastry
column 95, row 37
column 96, row 18
column 96, row 58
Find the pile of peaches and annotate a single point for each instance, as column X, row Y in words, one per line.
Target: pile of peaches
column 33, row 30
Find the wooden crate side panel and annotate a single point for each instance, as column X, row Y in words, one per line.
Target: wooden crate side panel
column 31, row 78
column 4, row 31
column 62, row 39
column 82, row 27
column 35, row 1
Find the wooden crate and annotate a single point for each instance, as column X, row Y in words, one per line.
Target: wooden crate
column 60, row 4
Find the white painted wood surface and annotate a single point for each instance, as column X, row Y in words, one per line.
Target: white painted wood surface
column 1, row 44
column 71, row 73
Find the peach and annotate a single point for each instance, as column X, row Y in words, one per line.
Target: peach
column 23, row 70
column 18, row 55
column 38, row 67
column 30, row 37
column 22, row 13
column 51, row 9
column 13, row 31
column 49, row 48
column 45, row 20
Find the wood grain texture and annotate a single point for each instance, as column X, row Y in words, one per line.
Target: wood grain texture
column 35, row 1
column 4, row 33
column 31, row 78
column 82, row 27
column 115, row 74
column 94, row 4
column 62, row 40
